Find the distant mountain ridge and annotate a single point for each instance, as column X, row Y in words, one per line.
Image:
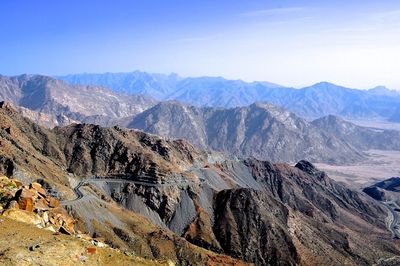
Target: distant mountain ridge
column 259, row 130
column 62, row 103
column 311, row 102
column 157, row 85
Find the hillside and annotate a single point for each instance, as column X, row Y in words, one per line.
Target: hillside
column 128, row 187
column 259, row 130
column 360, row 137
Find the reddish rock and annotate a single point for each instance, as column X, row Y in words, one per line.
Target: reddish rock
column 91, row 250
column 29, row 205
column 25, row 204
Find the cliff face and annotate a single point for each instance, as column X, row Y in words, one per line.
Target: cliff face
column 251, row 210
column 253, row 226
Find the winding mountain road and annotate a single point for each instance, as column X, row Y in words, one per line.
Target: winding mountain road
column 80, row 195
column 393, row 218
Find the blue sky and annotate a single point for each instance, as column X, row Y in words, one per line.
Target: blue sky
column 294, row 43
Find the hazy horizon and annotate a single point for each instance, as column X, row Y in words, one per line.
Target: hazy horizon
column 292, row 43
column 182, row 76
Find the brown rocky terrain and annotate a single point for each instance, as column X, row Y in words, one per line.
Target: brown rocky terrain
column 31, row 204
column 32, row 153
column 24, row 244
column 163, row 199
column 24, row 209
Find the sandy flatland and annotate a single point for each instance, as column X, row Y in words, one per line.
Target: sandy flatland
column 379, row 166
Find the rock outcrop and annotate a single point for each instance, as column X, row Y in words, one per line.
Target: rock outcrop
column 31, row 204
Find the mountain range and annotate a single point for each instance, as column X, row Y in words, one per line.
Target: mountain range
column 61, row 103
column 259, row 130
column 310, row 102
column 164, row 199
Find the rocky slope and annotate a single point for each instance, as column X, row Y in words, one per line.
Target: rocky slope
column 59, row 158
column 33, row 246
column 164, row 199
column 25, row 208
column 259, row 130
column 31, row 204
column 54, row 102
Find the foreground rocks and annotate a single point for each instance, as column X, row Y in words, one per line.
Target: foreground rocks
column 31, row 204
